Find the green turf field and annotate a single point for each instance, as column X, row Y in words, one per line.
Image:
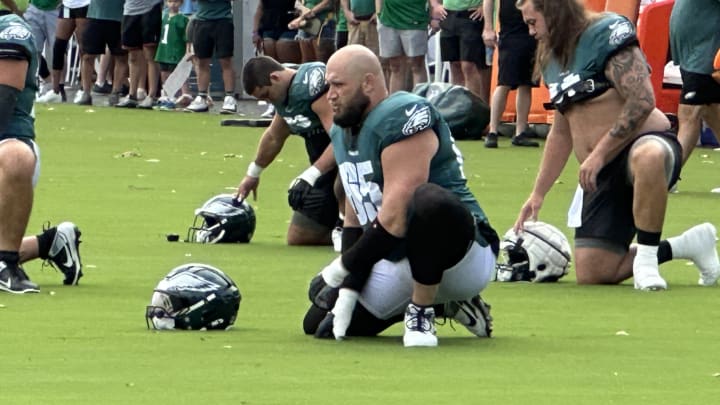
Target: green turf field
column 129, row 177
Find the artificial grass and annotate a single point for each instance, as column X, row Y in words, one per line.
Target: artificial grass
column 554, row 343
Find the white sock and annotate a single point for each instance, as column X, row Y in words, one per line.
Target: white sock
column 646, row 257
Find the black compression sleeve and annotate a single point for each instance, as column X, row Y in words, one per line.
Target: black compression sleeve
column 374, row 244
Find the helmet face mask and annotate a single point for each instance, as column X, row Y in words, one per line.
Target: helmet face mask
column 223, row 219
column 540, row 254
column 194, row 296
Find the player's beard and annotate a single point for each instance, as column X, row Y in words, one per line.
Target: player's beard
column 354, row 109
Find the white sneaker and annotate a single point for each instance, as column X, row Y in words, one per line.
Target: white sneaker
column 419, row 327
column 474, row 315
column 198, row 105
column 648, row 279
column 146, row 103
column 141, row 94
column 336, row 236
column 698, row 244
column 50, row 97
column 229, row 105
column 269, row 113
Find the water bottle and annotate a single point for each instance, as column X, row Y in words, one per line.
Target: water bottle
column 489, row 55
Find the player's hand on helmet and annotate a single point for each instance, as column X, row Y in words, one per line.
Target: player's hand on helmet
column 529, row 211
column 300, row 187
column 247, row 185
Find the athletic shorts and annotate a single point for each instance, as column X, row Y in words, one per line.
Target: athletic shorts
column 142, row 29
column 277, row 35
column 461, row 38
column 100, row 34
column 699, row 89
column 72, row 13
column 320, row 204
column 516, row 59
column 607, row 213
column 395, row 42
column 215, row 36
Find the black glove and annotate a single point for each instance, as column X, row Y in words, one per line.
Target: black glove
column 297, row 192
column 300, row 187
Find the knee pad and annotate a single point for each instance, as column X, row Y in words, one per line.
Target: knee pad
column 59, row 50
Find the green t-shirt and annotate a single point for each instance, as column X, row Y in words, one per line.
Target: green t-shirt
column 405, row 14
column 111, row 10
column 362, row 7
column 213, row 10
column 458, row 5
column 695, row 34
column 341, row 21
column 45, row 4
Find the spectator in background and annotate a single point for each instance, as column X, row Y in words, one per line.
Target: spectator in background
column 214, row 34
column 271, row 34
column 403, row 36
column 694, row 40
column 516, row 59
column 173, row 46
column 140, row 36
column 461, row 23
column 42, row 16
column 362, row 23
column 72, row 19
column 315, row 46
column 102, row 31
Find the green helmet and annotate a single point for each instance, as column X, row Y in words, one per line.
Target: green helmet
column 223, row 219
column 194, row 296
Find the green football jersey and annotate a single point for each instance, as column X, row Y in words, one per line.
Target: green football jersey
column 15, row 36
column 399, row 116
column 585, row 76
column 172, row 46
column 306, row 86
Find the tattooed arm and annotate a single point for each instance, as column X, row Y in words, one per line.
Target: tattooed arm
column 628, row 72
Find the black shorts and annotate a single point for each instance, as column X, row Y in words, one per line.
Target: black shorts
column 516, row 57
column 607, row 213
column 320, row 204
column 142, row 29
column 461, row 38
column 167, row 67
column 215, row 36
column 190, row 30
column 699, row 89
column 72, row 13
column 99, row 34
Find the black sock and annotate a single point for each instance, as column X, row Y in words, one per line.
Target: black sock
column 648, row 238
column 10, row 258
column 664, row 252
column 44, row 241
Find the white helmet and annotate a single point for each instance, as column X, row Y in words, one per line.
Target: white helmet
column 541, row 253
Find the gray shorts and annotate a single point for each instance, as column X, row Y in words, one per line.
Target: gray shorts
column 388, row 290
column 394, row 42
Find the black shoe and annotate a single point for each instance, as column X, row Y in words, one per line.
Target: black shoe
column 522, row 140
column 14, row 280
column 106, row 88
column 65, row 252
column 491, row 140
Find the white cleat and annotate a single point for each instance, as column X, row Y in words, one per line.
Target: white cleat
column 419, row 327
column 648, row 279
column 702, row 240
